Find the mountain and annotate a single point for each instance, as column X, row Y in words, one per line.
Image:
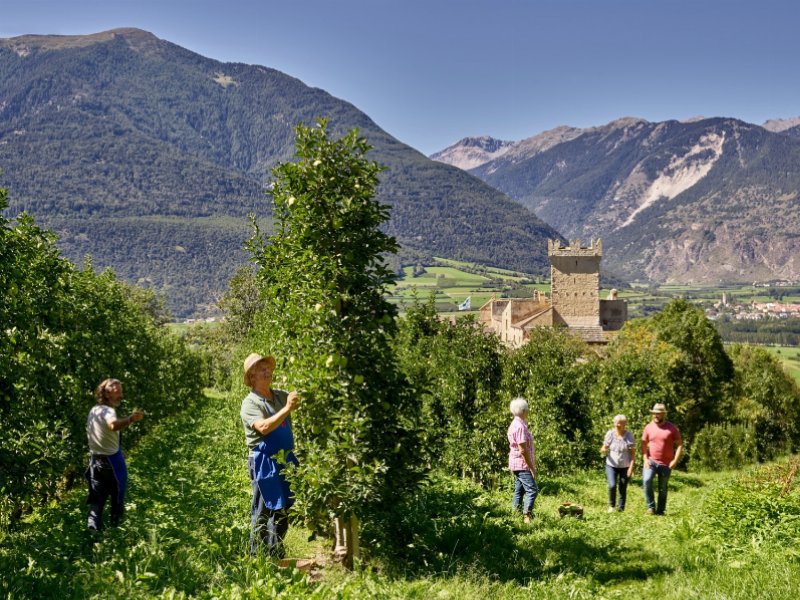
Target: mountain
column 472, row 152
column 148, row 157
column 792, row 131
column 779, row 125
column 703, row 200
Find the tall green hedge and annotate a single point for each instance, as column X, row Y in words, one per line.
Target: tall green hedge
column 455, row 371
column 62, row 331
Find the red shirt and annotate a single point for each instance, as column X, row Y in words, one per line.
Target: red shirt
column 661, row 441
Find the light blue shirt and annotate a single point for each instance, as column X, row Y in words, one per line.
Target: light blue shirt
column 620, row 449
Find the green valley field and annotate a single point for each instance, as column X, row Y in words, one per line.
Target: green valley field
column 454, row 281
column 790, row 358
column 728, row 534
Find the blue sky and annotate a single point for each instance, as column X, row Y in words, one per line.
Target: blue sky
column 433, row 71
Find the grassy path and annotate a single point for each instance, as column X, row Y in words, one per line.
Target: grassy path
column 185, row 531
column 186, row 536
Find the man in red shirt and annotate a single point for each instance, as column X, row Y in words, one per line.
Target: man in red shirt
column 661, row 449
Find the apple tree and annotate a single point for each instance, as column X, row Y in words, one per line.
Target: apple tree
column 323, row 276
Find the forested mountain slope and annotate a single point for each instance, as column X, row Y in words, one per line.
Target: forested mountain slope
column 149, row 157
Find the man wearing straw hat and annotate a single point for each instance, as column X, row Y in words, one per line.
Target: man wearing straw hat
column 661, row 450
column 268, row 432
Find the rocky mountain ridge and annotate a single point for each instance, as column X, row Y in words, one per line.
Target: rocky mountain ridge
column 779, row 125
column 703, row 200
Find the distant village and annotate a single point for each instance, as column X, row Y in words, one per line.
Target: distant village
column 752, row 311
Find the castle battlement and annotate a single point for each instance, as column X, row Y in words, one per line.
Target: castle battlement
column 595, row 248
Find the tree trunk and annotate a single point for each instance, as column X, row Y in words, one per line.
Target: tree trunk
column 345, row 544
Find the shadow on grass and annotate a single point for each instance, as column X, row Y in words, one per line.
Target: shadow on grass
column 453, row 527
column 681, row 479
column 561, row 488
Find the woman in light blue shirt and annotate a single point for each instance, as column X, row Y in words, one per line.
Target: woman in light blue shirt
column 619, row 448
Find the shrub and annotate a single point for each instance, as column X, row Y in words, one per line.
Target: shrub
column 767, row 399
column 456, row 371
column 724, row 446
column 550, row 373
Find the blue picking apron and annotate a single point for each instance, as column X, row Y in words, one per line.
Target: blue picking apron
column 268, row 471
column 117, row 461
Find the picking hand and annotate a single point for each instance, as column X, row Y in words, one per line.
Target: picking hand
column 293, row 400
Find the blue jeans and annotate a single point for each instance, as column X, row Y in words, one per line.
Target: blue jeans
column 612, row 475
column 268, row 528
column 524, row 484
column 650, row 471
column 102, row 487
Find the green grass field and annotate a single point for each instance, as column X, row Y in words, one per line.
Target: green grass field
column 453, row 284
column 727, row 535
column 790, row 357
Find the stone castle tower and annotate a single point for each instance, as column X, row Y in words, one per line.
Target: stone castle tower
column 574, row 301
column 575, row 282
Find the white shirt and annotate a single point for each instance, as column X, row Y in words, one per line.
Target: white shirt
column 102, row 440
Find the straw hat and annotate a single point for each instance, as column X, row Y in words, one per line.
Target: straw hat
column 252, row 360
column 659, row 409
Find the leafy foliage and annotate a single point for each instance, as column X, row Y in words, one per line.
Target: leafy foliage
column 704, row 373
column 729, row 412
column 466, row 380
column 767, row 400
column 636, row 374
column 550, row 374
column 781, row 332
column 323, row 279
column 241, row 303
column 674, row 357
column 62, row 331
column 727, row 445
column 732, row 407
column 456, row 370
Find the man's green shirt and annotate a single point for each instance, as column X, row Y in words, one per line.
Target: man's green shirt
column 255, row 408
